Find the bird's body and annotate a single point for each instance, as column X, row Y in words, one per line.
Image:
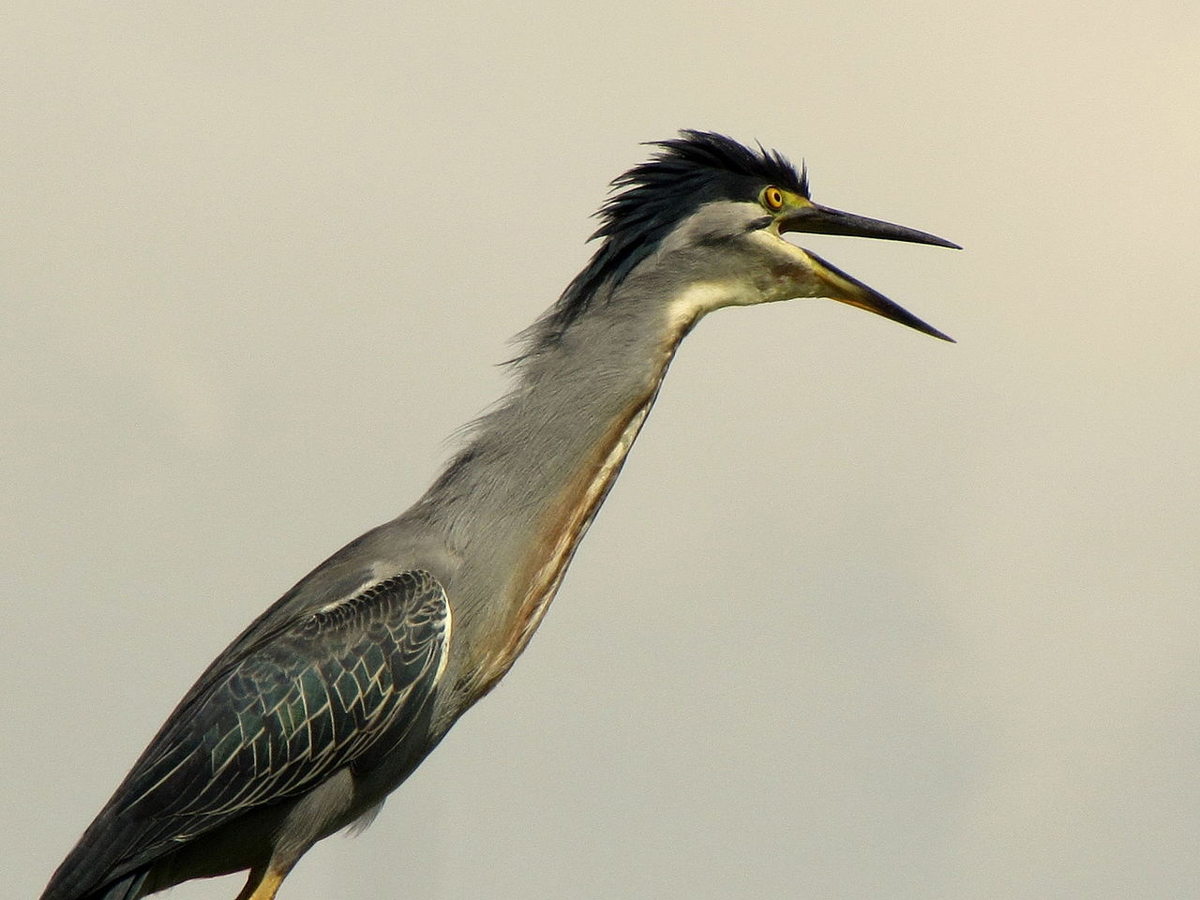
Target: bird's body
column 330, row 699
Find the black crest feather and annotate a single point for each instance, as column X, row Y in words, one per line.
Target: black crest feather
column 649, row 200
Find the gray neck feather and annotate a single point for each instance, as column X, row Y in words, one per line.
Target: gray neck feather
column 570, row 392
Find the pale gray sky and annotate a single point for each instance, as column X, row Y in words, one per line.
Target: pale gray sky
column 867, row 615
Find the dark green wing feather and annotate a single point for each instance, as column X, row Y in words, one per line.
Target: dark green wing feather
column 328, row 689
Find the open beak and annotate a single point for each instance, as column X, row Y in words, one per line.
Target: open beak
column 814, row 219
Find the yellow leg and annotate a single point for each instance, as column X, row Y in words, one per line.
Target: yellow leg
column 263, row 883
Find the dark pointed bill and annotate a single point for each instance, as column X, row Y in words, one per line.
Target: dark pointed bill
column 816, row 219
column 848, row 289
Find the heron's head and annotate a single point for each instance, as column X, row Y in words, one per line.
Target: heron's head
column 705, row 218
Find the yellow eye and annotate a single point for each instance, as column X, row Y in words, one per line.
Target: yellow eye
column 772, row 198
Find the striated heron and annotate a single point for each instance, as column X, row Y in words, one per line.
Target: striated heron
column 331, row 698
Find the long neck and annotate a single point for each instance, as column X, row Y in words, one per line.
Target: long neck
column 517, row 500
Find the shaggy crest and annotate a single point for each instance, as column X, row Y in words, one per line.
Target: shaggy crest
column 652, row 198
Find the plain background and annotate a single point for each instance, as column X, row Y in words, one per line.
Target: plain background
column 867, row 615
